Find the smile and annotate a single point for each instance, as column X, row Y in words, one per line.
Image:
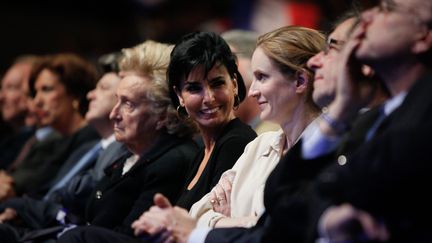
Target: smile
column 210, row 111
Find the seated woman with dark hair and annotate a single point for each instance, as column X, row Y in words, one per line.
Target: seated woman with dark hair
column 59, row 84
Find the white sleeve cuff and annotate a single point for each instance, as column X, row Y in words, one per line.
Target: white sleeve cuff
column 198, row 235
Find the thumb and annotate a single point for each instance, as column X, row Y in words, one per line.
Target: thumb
column 161, row 201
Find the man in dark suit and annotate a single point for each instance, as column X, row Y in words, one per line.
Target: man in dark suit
column 14, row 110
column 299, row 190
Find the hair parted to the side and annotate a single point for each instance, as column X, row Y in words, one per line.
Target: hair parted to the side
column 151, row 60
column 290, row 47
column 76, row 74
column 201, row 48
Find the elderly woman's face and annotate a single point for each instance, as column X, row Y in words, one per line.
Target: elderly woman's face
column 209, row 100
column 132, row 115
column 53, row 105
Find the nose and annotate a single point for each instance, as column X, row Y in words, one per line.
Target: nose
column 90, row 94
column 115, row 112
column 208, row 94
column 253, row 91
column 37, row 100
column 315, row 62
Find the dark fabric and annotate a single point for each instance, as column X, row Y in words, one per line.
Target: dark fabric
column 71, row 162
column 119, row 200
column 95, row 234
column 229, row 146
column 37, row 218
column 382, row 176
column 73, row 196
column 11, row 145
column 45, row 160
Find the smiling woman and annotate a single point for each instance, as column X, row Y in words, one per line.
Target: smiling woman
column 205, row 83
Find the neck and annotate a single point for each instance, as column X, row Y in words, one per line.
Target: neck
column 209, row 136
column 294, row 126
column 74, row 124
column 143, row 144
column 401, row 77
column 103, row 127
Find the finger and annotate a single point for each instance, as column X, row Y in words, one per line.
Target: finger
column 374, row 230
column 227, row 188
column 161, row 201
column 213, row 197
column 220, row 194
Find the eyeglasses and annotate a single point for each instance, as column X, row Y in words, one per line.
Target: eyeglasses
column 333, row 44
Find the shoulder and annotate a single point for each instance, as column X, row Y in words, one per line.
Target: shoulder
column 237, row 131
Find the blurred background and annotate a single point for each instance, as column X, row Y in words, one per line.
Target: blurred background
column 95, row 27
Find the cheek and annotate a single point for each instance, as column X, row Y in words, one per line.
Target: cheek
column 192, row 102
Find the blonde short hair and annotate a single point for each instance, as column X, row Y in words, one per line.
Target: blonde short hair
column 151, row 60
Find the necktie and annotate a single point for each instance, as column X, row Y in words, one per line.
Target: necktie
column 88, row 157
column 22, row 154
column 376, row 125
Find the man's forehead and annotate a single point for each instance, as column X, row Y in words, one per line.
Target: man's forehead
column 340, row 33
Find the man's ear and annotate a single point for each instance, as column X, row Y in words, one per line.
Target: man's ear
column 302, row 82
column 424, row 44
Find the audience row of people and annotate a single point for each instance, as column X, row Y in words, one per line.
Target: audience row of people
column 349, row 162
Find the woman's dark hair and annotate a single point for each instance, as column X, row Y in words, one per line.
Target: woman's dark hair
column 77, row 75
column 201, row 48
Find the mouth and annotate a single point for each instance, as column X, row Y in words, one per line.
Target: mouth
column 210, row 111
column 117, row 127
column 41, row 114
column 261, row 104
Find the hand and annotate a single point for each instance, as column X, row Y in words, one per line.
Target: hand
column 173, row 224
column 8, row 215
column 220, row 195
column 6, row 191
column 182, row 224
column 355, row 87
column 345, row 222
column 5, row 178
column 156, row 219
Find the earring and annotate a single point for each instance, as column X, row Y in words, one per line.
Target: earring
column 236, row 102
column 182, row 113
column 75, row 104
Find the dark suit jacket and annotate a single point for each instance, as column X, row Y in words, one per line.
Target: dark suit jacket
column 38, row 217
column 298, row 191
column 44, row 161
column 119, row 200
column 75, row 193
column 76, row 155
column 11, row 145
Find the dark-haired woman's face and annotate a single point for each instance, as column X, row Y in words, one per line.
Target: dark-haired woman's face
column 52, row 103
column 209, row 100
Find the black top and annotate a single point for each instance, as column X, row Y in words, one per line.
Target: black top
column 229, row 146
column 119, row 199
column 11, row 145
